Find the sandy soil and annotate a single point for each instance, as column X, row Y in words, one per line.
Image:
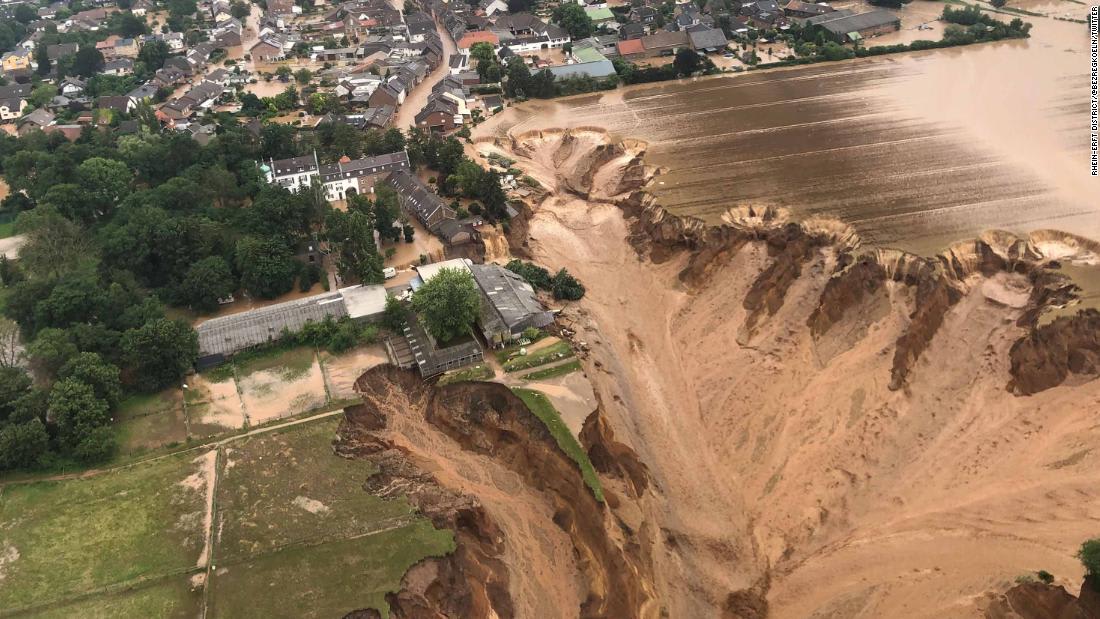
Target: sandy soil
column 342, row 370
column 278, row 392
column 214, row 405
column 539, row 555
column 775, row 463
column 571, row 395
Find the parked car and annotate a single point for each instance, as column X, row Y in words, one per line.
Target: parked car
column 389, row 272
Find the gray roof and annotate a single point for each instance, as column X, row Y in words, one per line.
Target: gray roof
column 817, row 19
column 229, row 334
column 856, row 23
column 294, row 165
column 509, row 303
column 599, row 68
column 364, row 166
column 707, row 39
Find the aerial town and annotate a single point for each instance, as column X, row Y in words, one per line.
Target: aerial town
column 508, row 309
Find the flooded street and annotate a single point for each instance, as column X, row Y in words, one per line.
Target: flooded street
column 915, row 150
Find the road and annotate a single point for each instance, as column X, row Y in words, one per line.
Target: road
column 415, row 100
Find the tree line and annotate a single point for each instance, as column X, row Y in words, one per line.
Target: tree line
column 119, row 228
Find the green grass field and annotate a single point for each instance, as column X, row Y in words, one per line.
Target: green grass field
column 480, row 371
column 554, row 372
column 327, row 580
column 540, row 405
column 80, row 536
column 287, row 487
column 542, row 356
column 294, row 512
column 170, row 598
column 7, row 229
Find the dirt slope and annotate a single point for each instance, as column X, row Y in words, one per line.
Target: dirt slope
column 828, row 432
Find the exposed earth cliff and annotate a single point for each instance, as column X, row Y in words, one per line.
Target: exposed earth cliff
column 829, row 430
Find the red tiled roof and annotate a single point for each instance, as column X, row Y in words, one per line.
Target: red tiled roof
column 632, row 46
column 478, row 36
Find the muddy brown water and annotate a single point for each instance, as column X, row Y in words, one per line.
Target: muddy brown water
column 915, row 150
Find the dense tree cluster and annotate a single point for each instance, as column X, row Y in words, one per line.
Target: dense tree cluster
column 458, row 175
column 448, row 304
column 562, row 285
column 119, row 227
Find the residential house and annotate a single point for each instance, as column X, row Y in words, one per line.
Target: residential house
column 17, row 61
column 492, row 7
column 118, row 66
column 267, row 49
column 120, row 103
column 349, row 177
column 704, row 39
column 419, row 201
column 37, row 120
column 141, row 7
column 61, row 50
column 442, row 113
column 72, row 86
column 797, row 9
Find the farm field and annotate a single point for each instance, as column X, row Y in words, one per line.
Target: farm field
column 289, row 526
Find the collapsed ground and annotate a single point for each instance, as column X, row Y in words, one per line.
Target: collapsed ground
column 824, row 435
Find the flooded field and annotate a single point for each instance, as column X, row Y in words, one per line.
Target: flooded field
column 915, row 150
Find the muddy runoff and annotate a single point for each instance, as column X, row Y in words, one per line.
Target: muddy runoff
column 531, row 539
column 828, row 429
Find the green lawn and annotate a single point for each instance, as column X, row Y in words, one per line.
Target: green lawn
column 328, row 580
column 553, row 352
column 7, row 229
column 171, row 598
column 146, row 422
column 554, row 372
column 292, row 512
column 542, row 408
column 78, row 536
column 287, row 487
column 480, row 371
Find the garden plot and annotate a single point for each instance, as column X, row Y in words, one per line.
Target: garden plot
column 341, row 371
column 213, row 405
column 281, row 385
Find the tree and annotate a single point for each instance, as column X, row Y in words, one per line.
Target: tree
column 352, row 236
column 160, row 352
column 88, row 61
column 42, row 58
column 448, row 304
column 207, row 281
column 53, row 243
column 51, row 350
column 106, row 182
column 266, row 266
column 90, row 369
column 10, row 350
column 303, row 75
column 687, row 62
column 573, row 18
column 76, row 411
column 14, row 383
column 22, row 444
column 1089, row 554
column 42, row 94
column 25, row 13
column 517, row 78
column 394, row 316
column 128, row 25
column 565, row 286
column 284, row 71
column 153, row 54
